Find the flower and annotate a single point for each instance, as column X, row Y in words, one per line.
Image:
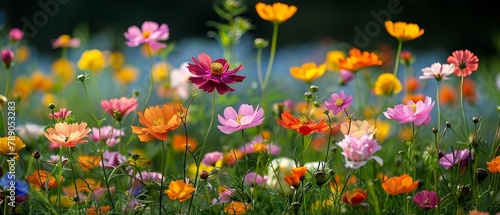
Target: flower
column 438, row 71
column 412, row 84
column 259, row 144
column 212, row 158
column 20, row 188
column 43, row 180
column 93, row 210
column 179, row 190
column 357, row 128
column 465, row 62
column 275, row 13
column 447, row 94
column 358, row 60
column 399, row 185
column 406, row 58
column 345, row 76
column 333, row 60
column 225, row 195
column 252, row 178
column 160, row 71
column 476, row 212
column 356, row 197
column 10, row 146
column 427, row 199
column 338, row 102
column 119, row 108
column 54, row 159
column 65, row 41
column 209, row 75
column 417, row 113
column 149, row 177
column 15, row 34
column 92, row 60
column 237, row 208
column 308, row 72
column 469, row 91
column 158, row 121
column 179, row 143
column 112, row 159
column 279, row 168
column 149, row 33
column 179, row 81
column 63, row 69
column 107, row 134
column 358, row 151
column 403, row 31
column 494, row 165
column 246, row 117
column 68, row 135
column 29, row 131
column 7, row 56
column 88, row 162
column 387, row 84
column 413, row 97
column 62, row 114
column 299, row 173
column 41, row 82
column 126, row 75
column 456, row 158
column 301, row 124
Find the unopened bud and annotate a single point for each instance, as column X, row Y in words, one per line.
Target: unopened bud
column 36, row 155
column 475, row 120
column 313, row 88
column 448, row 124
column 260, row 43
column 481, row 174
column 320, row 178
column 204, row 175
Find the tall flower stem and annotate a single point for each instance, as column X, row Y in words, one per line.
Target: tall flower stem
column 151, row 81
column 271, row 56
column 438, row 111
column 7, row 85
column 259, row 66
column 106, row 181
column 373, row 194
column 90, row 105
column 398, row 53
column 462, row 105
column 74, row 178
column 162, row 173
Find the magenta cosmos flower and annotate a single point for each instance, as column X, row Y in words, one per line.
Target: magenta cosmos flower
column 61, row 114
column 339, row 102
column 456, row 158
column 438, row 71
column 15, row 34
column 209, row 75
column 246, row 117
column 149, row 33
column 465, row 62
column 119, row 108
column 252, row 178
column 427, row 199
column 358, row 151
column 418, row 113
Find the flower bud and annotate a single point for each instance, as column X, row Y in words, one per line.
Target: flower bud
column 204, row 175
column 448, row 124
column 475, row 120
column 36, row 155
column 481, row 174
column 51, row 106
column 7, row 56
column 260, row 43
column 313, row 88
column 320, row 178
column 296, row 206
column 434, row 130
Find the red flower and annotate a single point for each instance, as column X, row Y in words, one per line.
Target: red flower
column 465, row 62
column 302, row 124
column 355, row 197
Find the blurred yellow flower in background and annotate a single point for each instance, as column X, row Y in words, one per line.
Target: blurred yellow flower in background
column 92, row 60
column 403, row 31
column 333, row 60
column 64, row 69
column 6, row 148
column 160, row 71
column 127, row 75
column 116, row 60
column 41, row 81
column 387, row 84
column 22, row 54
column 48, row 98
column 276, row 13
column 308, row 72
column 22, row 87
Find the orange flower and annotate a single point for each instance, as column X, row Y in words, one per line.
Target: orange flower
column 358, row 60
column 276, row 13
column 308, row 72
column 98, row 211
column 470, row 91
column 299, row 173
column 179, row 190
column 233, row 156
column 259, row 147
column 447, row 95
column 302, row 124
column 68, row 135
column 413, row 97
column 412, row 84
column 42, row 179
column 399, row 185
column 338, row 184
column 333, row 60
column 88, row 162
column 179, row 143
column 494, row 165
column 476, row 212
column 158, row 121
column 236, row 208
column 41, row 82
column 403, row 31
column 355, row 197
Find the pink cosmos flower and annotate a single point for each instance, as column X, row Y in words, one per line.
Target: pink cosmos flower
column 252, row 178
column 427, row 199
column 54, row 159
column 179, row 79
column 456, row 158
column 149, row 33
column 108, row 135
column 338, row 102
column 211, row 158
column 61, row 114
column 465, row 62
column 345, row 76
column 246, row 117
column 15, row 34
column 418, row 113
column 438, row 71
column 149, row 177
column 248, row 148
column 358, row 151
column 67, row 135
column 224, row 196
column 121, row 107
column 7, row 57
column 209, row 75
column 112, row 159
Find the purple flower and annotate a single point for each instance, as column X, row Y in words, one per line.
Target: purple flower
column 246, row 117
column 149, row 177
column 7, row 56
column 427, row 199
column 346, row 76
column 456, row 158
column 209, row 75
column 418, row 113
column 108, row 135
column 54, row 160
column 358, row 151
column 252, row 178
column 15, row 34
column 149, row 33
column 338, row 102
column 438, row 71
column 112, row 159
column 61, row 114
column 212, row 158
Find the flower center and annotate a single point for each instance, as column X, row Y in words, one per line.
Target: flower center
column 238, row 119
column 158, row 121
column 413, row 107
column 146, row 34
column 303, row 119
column 64, row 39
column 339, row 102
column 462, row 65
column 216, row 68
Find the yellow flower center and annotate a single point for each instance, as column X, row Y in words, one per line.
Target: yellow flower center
column 216, row 68
column 146, row 34
column 238, row 119
column 303, row 119
column 64, row 39
column 339, row 102
column 413, row 107
column 159, row 121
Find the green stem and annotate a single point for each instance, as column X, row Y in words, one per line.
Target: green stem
column 74, row 178
column 7, row 85
column 106, row 182
column 90, row 105
column 438, row 110
column 151, row 81
column 271, row 57
column 400, row 45
column 162, row 174
column 373, row 195
column 259, row 66
column 462, row 106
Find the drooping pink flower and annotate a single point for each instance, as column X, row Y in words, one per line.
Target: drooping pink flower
column 427, row 199
column 456, row 158
column 61, row 114
column 7, row 56
column 211, row 158
column 252, row 178
column 465, row 62
column 357, row 151
column 15, row 34
column 210, row 75
column 339, row 102
column 418, row 113
column 112, row 159
column 438, row 71
column 149, row 33
column 54, row 159
column 224, row 196
column 107, row 134
column 246, row 117
column 119, row 108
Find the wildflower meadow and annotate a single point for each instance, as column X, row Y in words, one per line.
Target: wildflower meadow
column 231, row 130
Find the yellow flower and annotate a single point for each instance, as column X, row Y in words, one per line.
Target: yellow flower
column 403, row 31
column 64, row 69
column 160, row 71
column 22, row 88
column 88, row 162
column 41, row 82
column 127, row 75
column 116, row 60
column 65, row 201
column 48, row 98
column 11, row 145
column 191, row 171
column 308, row 72
column 22, row 54
column 387, row 84
column 276, row 13
column 179, row 190
column 494, row 165
column 333, row 60
column 92, row 60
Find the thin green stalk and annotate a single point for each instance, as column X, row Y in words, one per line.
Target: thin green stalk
column 259, row 66
column 373, row 194
column 495, row 141
column 271, row 56
column 7, row 85
column 151, row 81
column 106, row 182
column 162, row 173
column 438, row 109
column 74, row 178
column 90, row 104
column 462, row 106
column 398, row 53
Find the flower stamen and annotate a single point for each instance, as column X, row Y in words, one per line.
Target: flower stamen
column 216, row 68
